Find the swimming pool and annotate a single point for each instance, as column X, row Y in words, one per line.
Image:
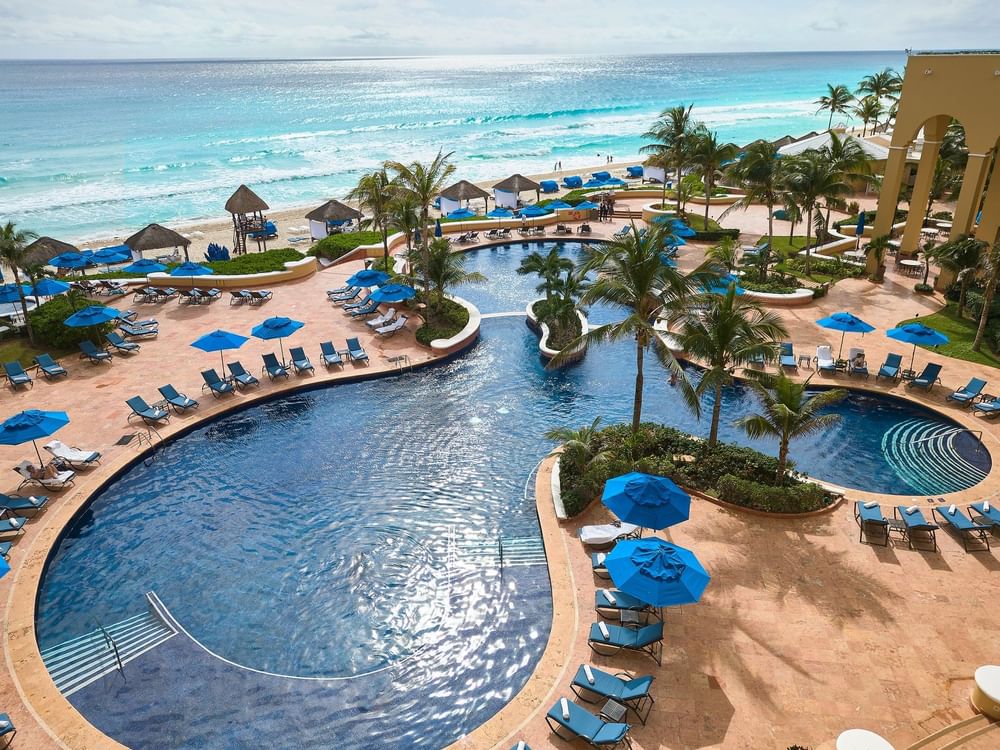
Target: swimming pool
column 339, row 546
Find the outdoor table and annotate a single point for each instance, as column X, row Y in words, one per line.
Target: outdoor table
column 862, row 739
column 912, row 267
column 805, row 359
column 630, row 617
column 856, row 254
column 986, row 695
column 908, row 374
column 613, row 711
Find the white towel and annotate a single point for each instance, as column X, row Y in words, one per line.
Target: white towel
column 4, row 724
column 871, row 504
column 520, row 745
column 912, row 509
column 15, row 522
column 35, row 500
column 604, row 630
column 952, row 508
column 600, row 558
column 986, row 505
column 589, row 672
column 609, row 596
column 564, row 705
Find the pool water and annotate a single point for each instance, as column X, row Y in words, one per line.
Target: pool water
column 350, row 532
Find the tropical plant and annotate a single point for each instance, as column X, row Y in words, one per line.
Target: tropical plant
column 868, row 109
column 548, row 267
column 444, row 270
column 724, row 252
column 632, row 277
column 708, row 157
column 580, row 446
column 13, row 243
column 885, row 84
column 962, row 256
column 729, row 331
column 788, row 412
column 953, row 148
column 760, row 174
column 877, row 249
column 946, row 181
column 837, row 100
column 990, row 268
column 810, row 178
column 374, row 193
column 404, row 215
column 670, row 134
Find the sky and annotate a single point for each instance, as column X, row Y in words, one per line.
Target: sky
column 144, row 29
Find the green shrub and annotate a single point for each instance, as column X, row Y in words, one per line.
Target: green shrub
column 771, row 286
column 942, row 215
column 923, row 288
column 563, row 329
column 47, row 324
column 336, row 245
column 852, row 220
column 834, row 268
column 800, row 498
column 443, row 325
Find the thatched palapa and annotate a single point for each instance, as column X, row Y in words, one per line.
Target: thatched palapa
column 463, row 190
column 44, row 249
column 333, row 210
column 245, row 201
column 517, row 183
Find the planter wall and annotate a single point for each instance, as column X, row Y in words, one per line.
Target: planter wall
column 543, row 332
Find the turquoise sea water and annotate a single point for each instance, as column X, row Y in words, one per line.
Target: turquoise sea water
column 97, row 148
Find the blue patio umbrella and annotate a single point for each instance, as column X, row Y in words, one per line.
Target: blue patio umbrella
column 657, row 572
column 672, row 240
column 94, row 315
column 12, row 292
column 663, row 219
column 219, row 341
column 860, row 229
column 462, row 213
column 393, row 293
column 145, row 266
column 559, row 206
column 680, row 229
column 649, row 501
column 592, row 183
column 191, row 269
column 668, row 261
column 586, row 206
column 4, row 567
column 277, row 328
column 532, row 211
column 32, row 424
column 72, row 261
column 846, row 323
column 917, row 334
column 614, row 182
column 437, row 228
column 501, row 213
column 49, row 288
column 115, row 254
column 368, row 277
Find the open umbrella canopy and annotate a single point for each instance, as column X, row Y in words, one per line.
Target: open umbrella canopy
column 845, row 322
column 657, row 572
column 649, row 501
column 276, row 328
column 664, row 219
column 593, row 183
column 919, row 335
column 614, row 182
column 559, row 206
column 672, row 240
column 114, row 254
column 12, row 292
column 462, row 213
column 219, row 341
column 586, row 206
column 393, row 293
column 501, row 213
column 72, row 261
column 368, row 277
column 680, row 229
column 189, row 268
column 31, row 424
column 4, row 567
column 532, row 211
column 94, row 315
column 145, row 265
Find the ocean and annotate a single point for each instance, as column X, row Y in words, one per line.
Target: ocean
column 92, row 149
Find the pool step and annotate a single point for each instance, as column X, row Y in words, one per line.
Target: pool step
column 76, row 663
column 517, row 551
column 971, row 734
column 924, row 453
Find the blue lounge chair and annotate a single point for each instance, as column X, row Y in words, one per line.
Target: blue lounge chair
column 215, row 384
column 240, row 376
column 344, row 294
column 240, row 297
column 49, row 367
column 622, row 233
column 856, row 364
column 18, row 504
column 594, row 685
column 928, row 377
column 598, row 564
column 5, row 548
column 613, row 600
column 338, row 292
column 273, row 367
column 967, row 394
column 569, row 722
column 959, row 523
column 6, row 725
column 360, row 303
column 209, row 295
column 915, row 523
column 261, row 295
column 572, row 182
column 300, row 361
column 138, row 331
column 871, row 522
column 145, row 412
column 601, row 176
column 647, row 639
column 355, row 351
column 787, row 355
column 368, row 308
column 129, row 347
column 635, row 172
column 16, row 375
column 549, row 186
column 11, row 524
column 330, row 355
column 988, row 513
column 890, row 368
column 179, row 401
column 988, row 406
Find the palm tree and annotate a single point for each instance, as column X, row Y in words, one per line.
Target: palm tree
column 962, row 257
column 670, row 135
column 580, row 447
column 13, row 243
column 760, row 174
column 731, row 331
column 708, row 157
column 837, row 99
column 788, row 412
column 990, row 267
column 724, row 253
column 868, row 109
column 404, row 215
column 847, row 158
column 945, row 182
column 812, row 177
column 632, row 277
column 548, row 267
column 877, row 249
column 424, row 182
column 884, row 84
column 444, row 270
column 374, row 193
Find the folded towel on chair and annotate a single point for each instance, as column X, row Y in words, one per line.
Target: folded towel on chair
column 871, row 503
column 609, row 596
column 564, row 705
column 589, row 672
column 604, row 630
column 952, row 508
column 986, row 505
column 912, row 509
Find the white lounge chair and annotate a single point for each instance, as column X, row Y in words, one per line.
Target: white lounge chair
column 603, row 534
column 71, row 455
column 824, row 360
column 380, row 320
column 60, row 481
column 391, row 328
column 856, row 364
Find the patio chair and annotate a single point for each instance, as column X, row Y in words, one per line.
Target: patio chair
column 958, row 523
column 856, row 363
column 240, row 297
column 569, row 722
column 273, row 367
column 165, row 293
column 179, row 401
column 133, row 331
column 49, row 367
column 262, row 295
column 11, row 524
column 391, row 328
column 188, row 297
column 824, row 360
column 594, row 685
column 300, row 361
column 367, row 309
column 209, row 295
column 112, row 288
column 360, row 303
column 16, row 504
column 215, row 384
column 5, row 548
column 927, row 378
column 584, row 229
column 614, row 601
column 988, row 406
column 604, row 534
column 147, row 413
column 346, row 294
column 988, row 514
column 608, row 639
column 598, row 563
column 76, row 458
column 915, row 523
column 622, row 233
column 31, row 475
column 891, row 367
column 16, row 375
column 871, row 522
column 120, row 344
column 240, row 376
column 968, row 393
column 355, row 351
column 549, row 186
column 787, row 355
column 380, row 320
column 7, row 728
column 330, row 355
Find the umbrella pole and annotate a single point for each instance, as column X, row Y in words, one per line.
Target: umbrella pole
column 41, row 463
column 281, row 346
column 913, row 356
column 222, row 363
column 840, row 354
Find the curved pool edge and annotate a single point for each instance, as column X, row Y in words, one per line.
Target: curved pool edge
column 53, row 713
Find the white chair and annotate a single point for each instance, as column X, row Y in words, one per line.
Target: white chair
column 71, row 455
column 391, row 328
column 601, row 535
column 824, row 360
column 61, row 480
column 381, row 320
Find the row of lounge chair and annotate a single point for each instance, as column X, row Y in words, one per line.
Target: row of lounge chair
column 468, row 237
column 100, row 287
column 250, row 297
column 910, row 523
column 498, row 234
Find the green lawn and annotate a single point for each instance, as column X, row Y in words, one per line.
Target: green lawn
column 785, row 247
column 19, row 349
column 962, row 332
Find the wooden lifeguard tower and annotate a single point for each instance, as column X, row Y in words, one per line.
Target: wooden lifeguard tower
column 247, row 209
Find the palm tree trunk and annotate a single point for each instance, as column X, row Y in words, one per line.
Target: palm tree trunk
column 829, row 125
column 782, row 461
column 385, row 247
column 961, row 295
column 677, row 187
column 663, row 200
column 713, row 434
column 809, row 221
column 24, row 305
column 991, row 288
column 637, row 398
column 770, row 241
column 708, row 199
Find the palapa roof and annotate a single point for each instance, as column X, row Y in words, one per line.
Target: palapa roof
column 464, row 190
column 44, row 249
column 155, row 237
column 245, row 201
column 333, row 210
column 517, row 183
